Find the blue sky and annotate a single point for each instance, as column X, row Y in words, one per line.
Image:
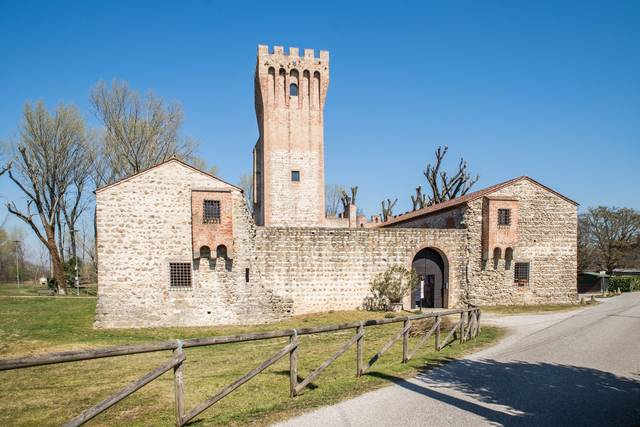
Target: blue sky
column 548, row 89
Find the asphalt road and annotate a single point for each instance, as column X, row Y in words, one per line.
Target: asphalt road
column 577, row 368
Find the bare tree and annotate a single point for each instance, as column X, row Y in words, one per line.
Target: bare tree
column 139, row 132
column 332, row 197
column 420, row 200
column 586, row 253
column 610, row 235
column 387, row 209
column 444, row 186
column 74, row 203
column 43, row 170
column 347, row 199
column 246, row 183
column 200, row 163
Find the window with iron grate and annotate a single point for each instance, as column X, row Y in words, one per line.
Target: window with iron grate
column 180, row 274
column 521, row 273
column 504, row 216
column 211, row 212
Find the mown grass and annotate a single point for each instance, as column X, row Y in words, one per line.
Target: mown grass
column 50, row 395
column 30, row 289
column 529, row 309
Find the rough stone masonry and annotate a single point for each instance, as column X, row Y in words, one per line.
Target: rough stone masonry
column 179, row 247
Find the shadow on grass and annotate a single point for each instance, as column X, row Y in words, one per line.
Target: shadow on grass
column 532, row 393
column 310, row 386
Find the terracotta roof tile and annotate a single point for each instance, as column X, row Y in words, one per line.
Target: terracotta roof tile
column 465, row 199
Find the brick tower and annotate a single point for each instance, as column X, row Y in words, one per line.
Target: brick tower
column 288, row 159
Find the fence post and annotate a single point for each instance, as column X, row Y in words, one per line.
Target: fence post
column 461, row 327
column 438, row 333
column 178, row 386
column 360, row 349
column 478, row 328
column 293, row 364
column 405, row 340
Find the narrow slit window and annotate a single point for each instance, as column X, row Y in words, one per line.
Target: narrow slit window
column 504, row 216
column 211, row 211
column 180, row 274
column 295, row 176
column 521, row 273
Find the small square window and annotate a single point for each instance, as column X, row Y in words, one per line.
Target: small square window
column 504, row 216
column 180, row 274
column 521, row 273
column 295, row 176
column 211, row 212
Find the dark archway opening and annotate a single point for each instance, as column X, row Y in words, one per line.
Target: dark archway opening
column 221, row 252
column 432, row 270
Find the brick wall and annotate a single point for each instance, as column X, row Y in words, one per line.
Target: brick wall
column 208, row 233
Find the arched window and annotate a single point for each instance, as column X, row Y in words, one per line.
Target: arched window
column 497, row 254
column 205, row 252
column 508, row 258
column 221, row 252
column 508, row 254
column 293, row 89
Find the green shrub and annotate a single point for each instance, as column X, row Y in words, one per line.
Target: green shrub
column 623, row 283
column 391, row 287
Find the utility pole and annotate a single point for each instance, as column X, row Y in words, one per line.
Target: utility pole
column 17, row 242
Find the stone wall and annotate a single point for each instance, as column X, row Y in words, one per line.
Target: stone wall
column 547, row 239
column 324, row 269
column 144, row 223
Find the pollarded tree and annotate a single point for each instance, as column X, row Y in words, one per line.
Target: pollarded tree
column 387, row 208
column 47, row 156
column 445, row 186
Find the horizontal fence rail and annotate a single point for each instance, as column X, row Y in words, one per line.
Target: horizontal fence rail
column 468, row 316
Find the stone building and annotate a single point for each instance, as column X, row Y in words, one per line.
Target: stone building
column 179, row 247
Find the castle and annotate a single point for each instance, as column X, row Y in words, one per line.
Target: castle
column 179, row 247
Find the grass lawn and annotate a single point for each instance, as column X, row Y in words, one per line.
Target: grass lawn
column 50, row 395
column 29, row 289
column 530, row 309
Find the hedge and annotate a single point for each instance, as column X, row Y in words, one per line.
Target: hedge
column 624, row 283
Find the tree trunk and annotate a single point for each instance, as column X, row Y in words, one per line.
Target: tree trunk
column 56, row 262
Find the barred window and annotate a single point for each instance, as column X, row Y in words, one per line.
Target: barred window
column 521, row 273
column 211, row 211
column 504, row 216
column 180, row 274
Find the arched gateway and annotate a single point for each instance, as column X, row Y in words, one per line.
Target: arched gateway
column 431, row 266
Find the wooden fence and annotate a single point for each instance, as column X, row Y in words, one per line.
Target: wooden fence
column 468, row 326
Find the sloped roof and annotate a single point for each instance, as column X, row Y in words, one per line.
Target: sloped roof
column 469, row 197
column 171, row 160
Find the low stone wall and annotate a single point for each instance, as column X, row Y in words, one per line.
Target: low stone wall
column 324, row 269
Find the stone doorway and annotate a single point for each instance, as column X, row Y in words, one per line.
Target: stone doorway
column 431, row 268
